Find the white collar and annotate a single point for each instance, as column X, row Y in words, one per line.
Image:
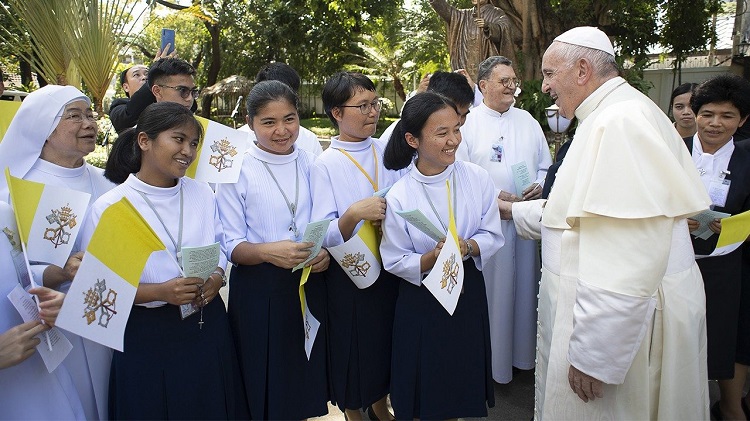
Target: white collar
column 431, row 179
column 136, row 184
column 350, row 146
column 272, row 158
column 592, row 101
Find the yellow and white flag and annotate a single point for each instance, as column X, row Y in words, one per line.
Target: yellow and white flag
column 102, row 293
column 220, row 154
column 309, row 323
column 49, row 218
column 8, row 110
column 734, row 232
column 446, row 279
column 360, row 256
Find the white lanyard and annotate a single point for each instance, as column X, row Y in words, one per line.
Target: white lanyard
column 178, row 243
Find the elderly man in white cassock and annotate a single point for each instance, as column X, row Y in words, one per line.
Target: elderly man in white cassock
column 621, row 308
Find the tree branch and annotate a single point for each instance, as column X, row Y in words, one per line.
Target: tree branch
column 170, row 5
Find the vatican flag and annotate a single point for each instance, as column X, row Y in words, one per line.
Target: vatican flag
column 734, row 232
column 48, row 218
column 220, row 154
column 7, row 111
column 360, row 256
column 98, row 303
column 446, row 279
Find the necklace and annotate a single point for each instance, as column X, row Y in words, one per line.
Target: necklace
column 432, row 205
column 292, row 206
column 374, row 182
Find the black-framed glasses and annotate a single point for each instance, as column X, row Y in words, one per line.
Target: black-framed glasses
column 78, row 117
column 365, row 108
column 508, row 82
column 184, row 91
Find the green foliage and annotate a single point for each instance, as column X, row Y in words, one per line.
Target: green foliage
column 686, row 26
column 533, row 100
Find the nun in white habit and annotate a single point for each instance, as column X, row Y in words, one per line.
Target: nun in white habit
column 29, row 390
column 53, row 130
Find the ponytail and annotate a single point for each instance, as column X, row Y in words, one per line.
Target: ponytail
column 398, row 154
column 125, row 157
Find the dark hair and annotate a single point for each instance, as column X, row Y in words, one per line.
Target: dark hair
column 125, row 157
column 452, row 85
column 488, row 65
column 417, row 110
column 169, row 66
column 725, row 87
column 342, row 86
column 281, row 72
column 268, row 91
column 124, row 76
column 680, row 90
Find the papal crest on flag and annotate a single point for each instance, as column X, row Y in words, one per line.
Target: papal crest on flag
column 220, row 154
column 310, row 324
column 446, row 279
column 360, row 257
column 101, row 296
column 48, row 218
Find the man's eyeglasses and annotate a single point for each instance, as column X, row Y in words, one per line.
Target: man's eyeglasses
column 508, row 82
column 78, row 117
column 184, row 91
column 365, row 108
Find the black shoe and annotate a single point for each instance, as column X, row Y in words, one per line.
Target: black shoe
column 716, row 412
column 371, row 414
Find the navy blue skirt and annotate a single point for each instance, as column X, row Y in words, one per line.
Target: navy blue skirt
column 266, row 319
column 171, row 369
column 360, row 326
column 442, row 363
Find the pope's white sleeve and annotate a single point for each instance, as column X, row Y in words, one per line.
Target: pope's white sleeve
column 527, row 217
column 621, row 265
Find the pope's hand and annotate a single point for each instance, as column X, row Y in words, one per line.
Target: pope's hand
column 586, row 387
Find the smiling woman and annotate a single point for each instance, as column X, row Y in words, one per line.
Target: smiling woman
column 167, row 356
column 46, row 142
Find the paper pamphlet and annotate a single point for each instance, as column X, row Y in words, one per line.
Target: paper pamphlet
column 315, row 232
column 60, row 346
column 521, row 177
column 419, row 221
column 198, row 262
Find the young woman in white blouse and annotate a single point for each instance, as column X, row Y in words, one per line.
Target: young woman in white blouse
column 170, row 368
column 441, row 365
column 344, row 180
column 264, row 216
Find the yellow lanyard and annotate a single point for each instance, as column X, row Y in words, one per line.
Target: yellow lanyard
column 362, row 170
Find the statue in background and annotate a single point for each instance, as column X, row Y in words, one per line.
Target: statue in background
column 475, row 34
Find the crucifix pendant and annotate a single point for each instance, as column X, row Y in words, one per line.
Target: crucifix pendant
column 200, row 322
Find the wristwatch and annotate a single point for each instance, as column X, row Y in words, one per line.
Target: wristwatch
column 223, row 277
column 469, row 249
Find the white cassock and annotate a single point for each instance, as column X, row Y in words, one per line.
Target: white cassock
column 306, row 140
column 621, row 297
column 29, row 391
column 512, row 274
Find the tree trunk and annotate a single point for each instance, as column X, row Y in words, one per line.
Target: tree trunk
column 399, row 87
column 213, row 68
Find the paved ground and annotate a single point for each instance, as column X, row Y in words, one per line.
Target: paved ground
column 513, row 401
